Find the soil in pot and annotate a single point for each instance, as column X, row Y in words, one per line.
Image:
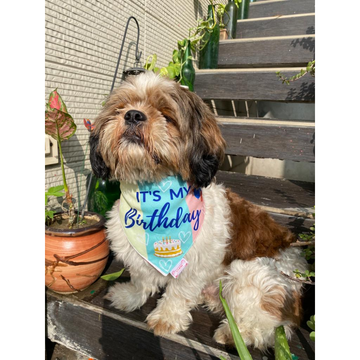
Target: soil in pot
column 75, row 258
column 62, row 222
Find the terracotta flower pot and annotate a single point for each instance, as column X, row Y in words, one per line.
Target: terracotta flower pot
column 75, row 258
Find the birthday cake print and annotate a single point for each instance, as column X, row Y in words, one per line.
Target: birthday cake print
column 167, row 248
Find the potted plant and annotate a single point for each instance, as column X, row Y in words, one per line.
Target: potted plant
column 76, row 248
column 180, row 68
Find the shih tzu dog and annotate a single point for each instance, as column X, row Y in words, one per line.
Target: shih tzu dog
column 175, row 227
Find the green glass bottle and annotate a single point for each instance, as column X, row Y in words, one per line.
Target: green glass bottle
column 230, row 18
column 243, row 10
column 102, row 195
column 210, row 53
column 188, row 71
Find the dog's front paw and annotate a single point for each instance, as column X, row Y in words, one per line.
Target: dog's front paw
column 126, row 297
column 223, row 335
column 163, row 324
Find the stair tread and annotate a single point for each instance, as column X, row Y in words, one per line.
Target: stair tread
column 283, row 7
column 248, row 70
column 275, row 17
column 264, row 121
column 280, row 51
column 268, row 38
column 284, row 25
column 288, row 197
column 254, row 84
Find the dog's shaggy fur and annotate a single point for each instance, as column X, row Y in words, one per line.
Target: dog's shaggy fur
column 239, row 243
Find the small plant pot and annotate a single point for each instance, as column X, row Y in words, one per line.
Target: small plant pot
column 75, row 258
column 223, row 34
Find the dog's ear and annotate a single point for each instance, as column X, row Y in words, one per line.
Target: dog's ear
column 98, row 165
column 206, row 146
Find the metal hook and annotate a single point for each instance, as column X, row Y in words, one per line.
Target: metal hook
column 137, row 53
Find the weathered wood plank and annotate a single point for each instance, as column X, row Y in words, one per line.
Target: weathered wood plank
column 288, row 25
column 254, row 84
column 86, row 323
column 102, row 334
column 267, row 52
column 280, row 7
column 269, row 140
column 287, row 196
column 295, row 224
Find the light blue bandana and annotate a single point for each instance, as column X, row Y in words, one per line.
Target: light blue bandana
column 162, row 221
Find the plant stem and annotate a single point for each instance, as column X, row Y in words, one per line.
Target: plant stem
column 66, row 189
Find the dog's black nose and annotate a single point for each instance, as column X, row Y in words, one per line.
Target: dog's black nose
column 134, row 116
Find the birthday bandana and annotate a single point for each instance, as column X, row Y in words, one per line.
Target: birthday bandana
column 162, row 221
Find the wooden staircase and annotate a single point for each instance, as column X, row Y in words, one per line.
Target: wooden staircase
column 279, row 35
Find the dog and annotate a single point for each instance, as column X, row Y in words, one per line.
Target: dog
column 151, row 129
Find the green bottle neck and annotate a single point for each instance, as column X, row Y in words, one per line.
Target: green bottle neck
column 211, row 12
column 187, row 53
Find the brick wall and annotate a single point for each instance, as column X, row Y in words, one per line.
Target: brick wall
column 83, row 39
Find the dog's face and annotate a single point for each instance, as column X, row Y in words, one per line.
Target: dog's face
column 151, row 128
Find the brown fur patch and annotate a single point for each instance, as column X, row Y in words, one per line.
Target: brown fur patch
column 292, row 310
column 273, row 304
column 283, row 306
column 254, row 232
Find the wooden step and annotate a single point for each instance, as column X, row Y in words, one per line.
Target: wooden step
column 280, row 7
column 264, row 138
column 86, row 323
column 267, row 52
column 302, row 24
column 289, row 197
column 253, row 84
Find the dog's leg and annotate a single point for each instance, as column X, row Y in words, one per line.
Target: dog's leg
column 172, row 313
column 260, row 299
column 133, row 294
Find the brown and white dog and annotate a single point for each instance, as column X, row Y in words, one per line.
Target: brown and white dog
column 173, row 132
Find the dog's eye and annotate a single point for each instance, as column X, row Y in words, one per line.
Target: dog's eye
column 168, row 119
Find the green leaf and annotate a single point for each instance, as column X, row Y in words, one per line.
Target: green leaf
column 282, row 350
column 49, row 213
column 59, row 125
column 163, row 71
column 97, row 184
column 181, row 43
column 59, row 194
column 312, row 335
column 101, row 201
column 113, row 276
column 176, row 56
column 310, row 325
column 150, row 65
column 238, row 340
column 171, row 71
column 55, row 189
